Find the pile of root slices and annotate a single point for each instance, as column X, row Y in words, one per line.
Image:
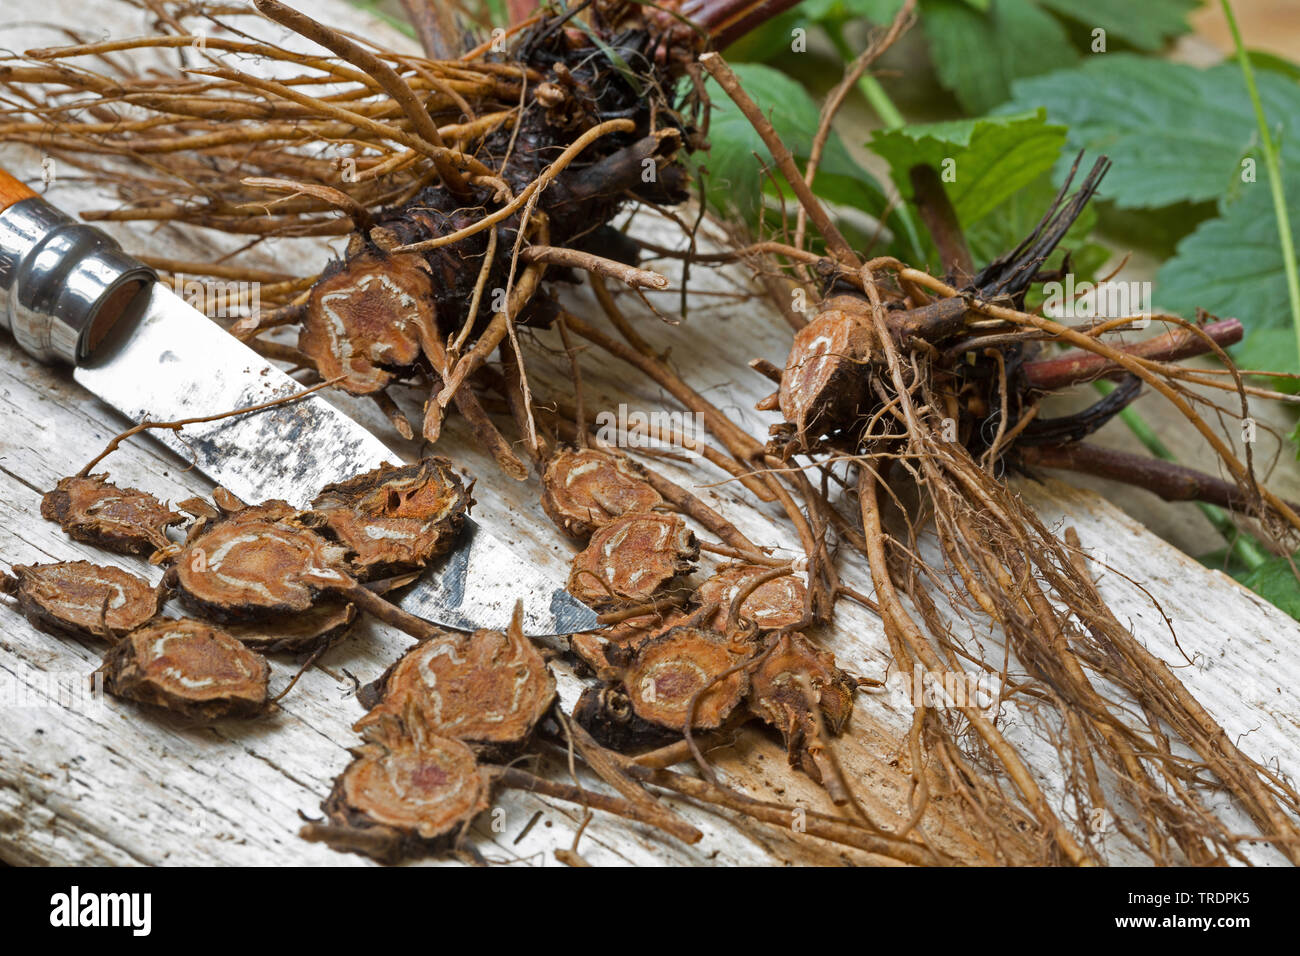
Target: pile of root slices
column 444, row 726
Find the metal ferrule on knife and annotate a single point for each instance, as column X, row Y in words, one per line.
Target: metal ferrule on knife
column 63, row 284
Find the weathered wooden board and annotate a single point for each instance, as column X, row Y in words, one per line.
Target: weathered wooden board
column 111, row 784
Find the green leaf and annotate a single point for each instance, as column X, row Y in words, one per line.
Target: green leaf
column 736, row 181
column 1232, row 266
column 1276, row 583
column 835, row 11
column 978, row 55
column 768, row 41
column 980, row 48
column 1271, row 63
column 772, row 38
column 989, row 158
column 1173, row 132
column 1146, row 26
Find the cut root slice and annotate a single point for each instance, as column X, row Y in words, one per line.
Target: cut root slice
column 232, row 509
column 488, row 689
column 392, row 519
column 670, row 671
column 585, row 489
column 404, row 795
column 771, row 605
column 314, row 629
column 94, row 510
column 606, row 713
column 248, row 569
column 787, row 684
column 609, row 651
column 631, row 559
column 77, row 597
column 365, row 318
column 188, row 667
column 822, row 384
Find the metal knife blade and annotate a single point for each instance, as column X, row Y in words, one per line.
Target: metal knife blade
column 176, row 364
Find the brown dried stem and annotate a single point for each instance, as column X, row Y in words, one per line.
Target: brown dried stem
column 783, row 158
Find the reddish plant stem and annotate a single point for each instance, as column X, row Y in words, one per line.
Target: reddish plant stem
column 1171, row 481
column 940, row 219
column 434, row 23
column 727, row 20
column 1077, row 366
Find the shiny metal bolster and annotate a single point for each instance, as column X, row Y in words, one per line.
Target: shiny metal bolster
column 63, row 284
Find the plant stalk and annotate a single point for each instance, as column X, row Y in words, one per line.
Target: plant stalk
column 1274, row 175
column 1242, row 546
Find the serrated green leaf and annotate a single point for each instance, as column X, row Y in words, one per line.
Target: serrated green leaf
column 980, row 48
column 1146, row 26
column 1173, row 132
column 1276, row 583
column 978, row 55
column 1232, row 266
column 989, row 158
column 735, row 180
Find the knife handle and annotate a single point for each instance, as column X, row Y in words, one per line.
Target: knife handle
column 63, row 284
column 11, row 190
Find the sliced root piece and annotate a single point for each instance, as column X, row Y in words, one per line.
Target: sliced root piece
column 671, row 669
column 405, row 795
column 823, row 382
column 188, row 667
column 606, row 713
column 780, row 687
column 94, row 510
column 314, row 629
column 609, row 651
column 231, row 508
column 585, row 489
column 200, row 509
column 630, row 559
column 773, row 604
column 77, row 597
column 392, row 519
column 250, row 570
column 364, row 319
column 488, row 689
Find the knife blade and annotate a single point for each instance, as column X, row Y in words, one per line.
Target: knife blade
column 168, row 362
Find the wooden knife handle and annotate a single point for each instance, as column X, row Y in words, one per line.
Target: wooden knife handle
column 12, row 191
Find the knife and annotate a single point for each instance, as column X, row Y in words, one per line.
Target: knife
column 69, row 294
